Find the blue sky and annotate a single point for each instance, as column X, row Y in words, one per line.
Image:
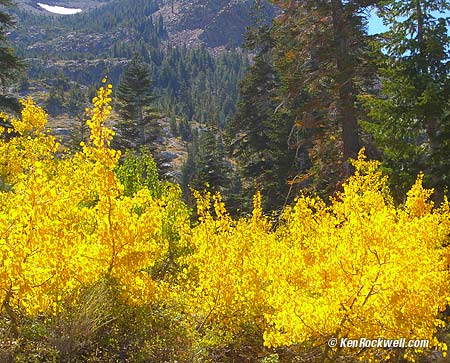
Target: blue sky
column 376, row 25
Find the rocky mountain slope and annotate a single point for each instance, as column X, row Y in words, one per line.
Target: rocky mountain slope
column 197, row 84
column 214, row 23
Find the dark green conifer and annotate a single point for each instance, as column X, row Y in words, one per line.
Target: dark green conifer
column 134, row 97
column 9, row 62
column 410, row 118
column 258, row 134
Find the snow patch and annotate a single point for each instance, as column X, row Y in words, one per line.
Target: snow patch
column 59, row 9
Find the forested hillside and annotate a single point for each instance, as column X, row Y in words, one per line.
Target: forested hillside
column 195, row 82
column 82, row 46
column 174, row 189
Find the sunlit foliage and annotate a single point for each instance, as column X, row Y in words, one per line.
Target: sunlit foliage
column 66, row 223
column 359, row 267
column 355, row 266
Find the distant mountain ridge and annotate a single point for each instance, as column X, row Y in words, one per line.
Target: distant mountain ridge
column 212, row 23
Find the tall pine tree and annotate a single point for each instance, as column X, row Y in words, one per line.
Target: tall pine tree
column 411, row 116
column 9, row 63
column 133, row 97
column 207, row 164
column 258, row 133
column 322, row 59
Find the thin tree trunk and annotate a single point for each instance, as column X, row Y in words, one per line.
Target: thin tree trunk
column 11, row 314
column 141, row 126
column 346, row 92
column 429, row 121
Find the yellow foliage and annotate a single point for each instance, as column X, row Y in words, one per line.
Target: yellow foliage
column 226, row 268
column 33, row 119
column 358, row 266
column 65, row 223
column 25, row 152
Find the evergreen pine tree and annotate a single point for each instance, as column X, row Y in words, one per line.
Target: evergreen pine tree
column 410, row 119
column 54, row 104
column 76, row 105
column 258, row 133
column 133, row 98
column 322, row 60
column 76, row 102
column 184, row 129
column 207, row 165
column 9, row 63
column 173, row 125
